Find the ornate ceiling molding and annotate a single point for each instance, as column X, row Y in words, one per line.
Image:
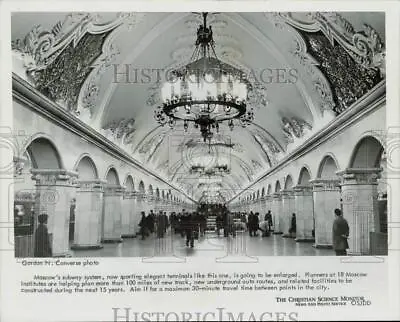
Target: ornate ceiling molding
column 276, row 49
column 364, row 46
column 294, row 128
column 149, row 147
column 62, row 80
column 89, row 94
column 271, row 152
column 308, row 64
column 41, row 47
column 120, row 132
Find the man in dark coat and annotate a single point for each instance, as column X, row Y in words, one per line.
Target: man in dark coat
column 143, row 226
column 340, row 233
column 187, row 224
column 268, row 218
column 292, row 229
column 161, row 224
column 42, row 241
column 151, row 221
column 250, row 223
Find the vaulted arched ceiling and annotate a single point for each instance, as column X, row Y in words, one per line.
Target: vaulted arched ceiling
column 107, row 69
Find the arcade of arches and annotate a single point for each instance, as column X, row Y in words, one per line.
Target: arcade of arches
column 93, row 157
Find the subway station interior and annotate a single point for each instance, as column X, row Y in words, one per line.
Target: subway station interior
column 167, row 134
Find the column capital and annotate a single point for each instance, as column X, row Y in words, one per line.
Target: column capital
column 276, row 195
column 325, row 184
column 302, row 189
column 91, row 185
column 51, row 177
column 360, row 176
column 114, row 189
column 287, row 194
column 129, row 194
column 140, row 195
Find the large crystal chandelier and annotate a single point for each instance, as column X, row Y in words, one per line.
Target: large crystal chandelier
column 206, row 91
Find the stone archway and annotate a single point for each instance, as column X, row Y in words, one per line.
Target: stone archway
column 287, row 206
column 276, row 210
column 54, row 189
column 112, row 214
column 89, row 206
column 130, row 216
column 304, row 207
column 326, row 198
column 361, row 202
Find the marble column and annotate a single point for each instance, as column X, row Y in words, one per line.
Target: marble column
column 112, row 214
column 304, row 210
column 276, row 211
column 360, row 207
column 326, row 196
column 129, row 215
column 88, row 215
column 287, row 210
column 55, row 189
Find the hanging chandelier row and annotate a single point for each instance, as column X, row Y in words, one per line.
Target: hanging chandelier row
column 206, row 92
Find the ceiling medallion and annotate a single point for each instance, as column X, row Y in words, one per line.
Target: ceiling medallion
column 206, row 91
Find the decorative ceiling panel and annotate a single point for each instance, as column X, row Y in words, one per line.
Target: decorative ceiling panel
column 332, row 59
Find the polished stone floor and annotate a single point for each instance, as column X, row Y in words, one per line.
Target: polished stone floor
column 210, row 245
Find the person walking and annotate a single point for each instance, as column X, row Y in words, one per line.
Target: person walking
column 340, row 234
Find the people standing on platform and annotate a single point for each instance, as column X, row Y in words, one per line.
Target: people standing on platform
column 256, row 223
column 167, row 223
column 181, row 220
column 340, row 234
column 143, row 224
column 292, row 229
column 253, row 223
column 161, row 225
column 268, row 218
column 42, row 240
column 151, row 221
column 187, row 225
column 250, row 222
column 174, row 221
